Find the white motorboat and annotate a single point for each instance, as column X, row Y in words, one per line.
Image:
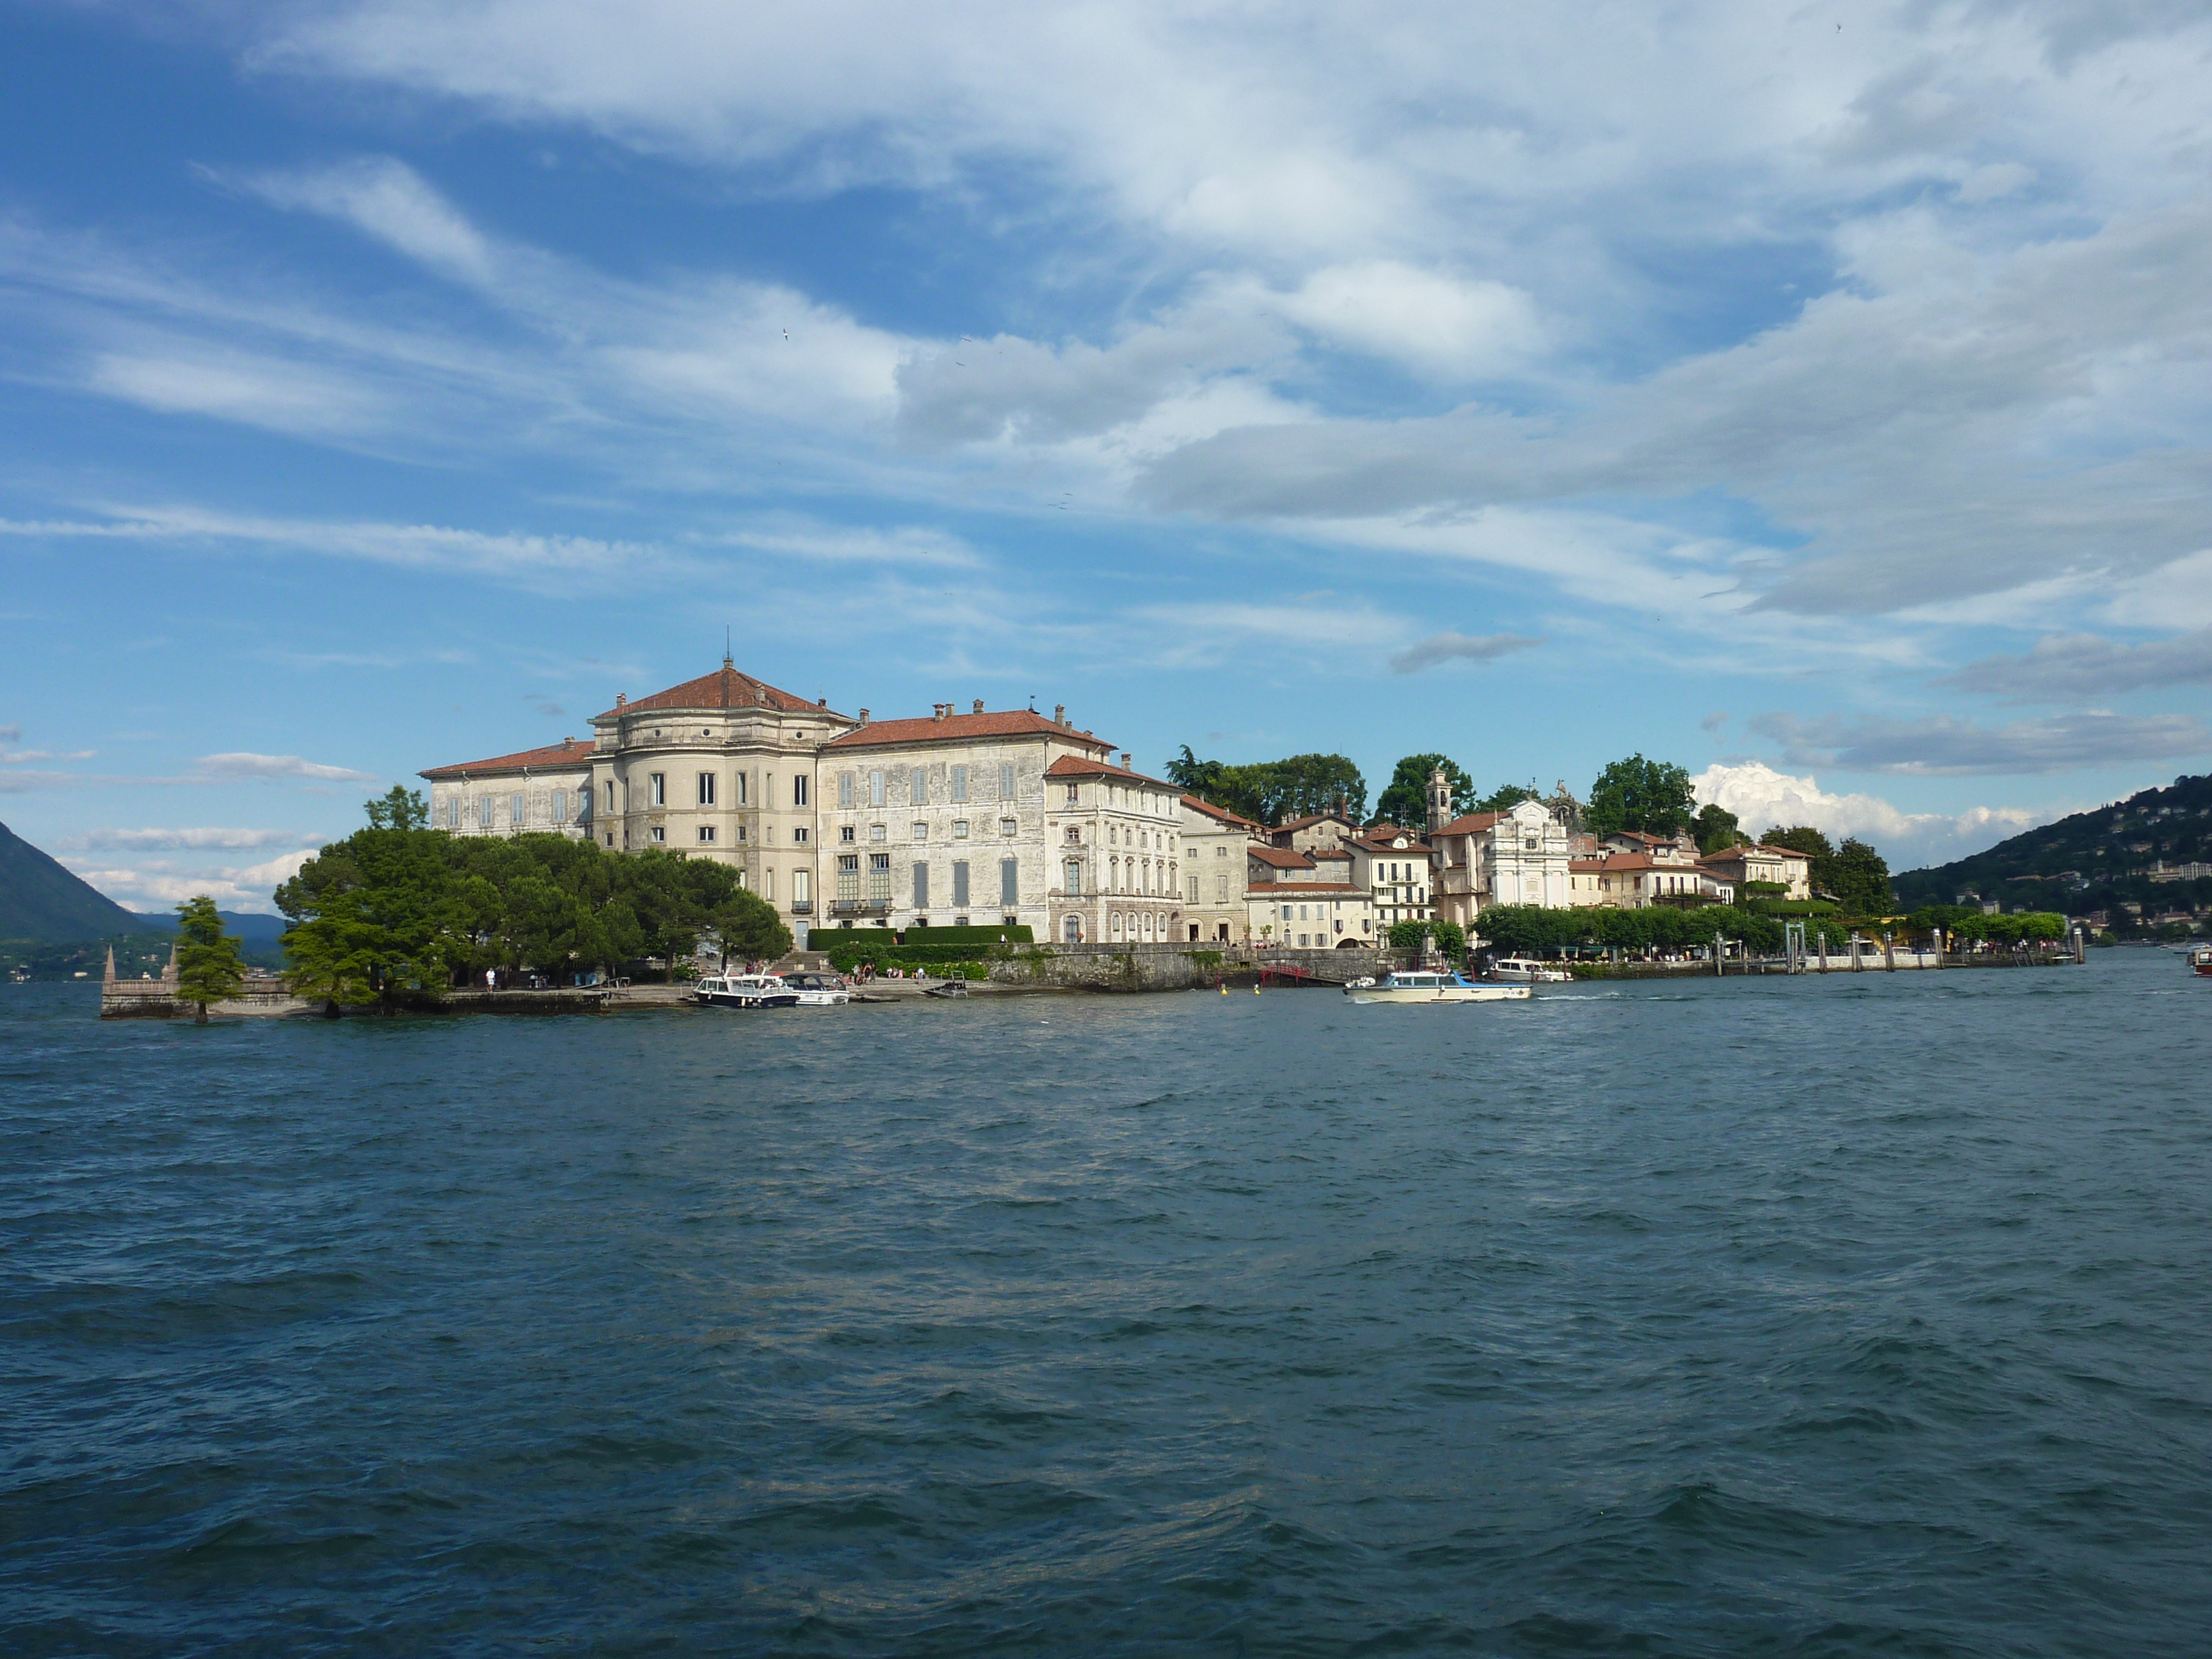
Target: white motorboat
column 815, row 990
column 1527, row 970
column 2200, row 961
column 745, row 991
column 1418, row 987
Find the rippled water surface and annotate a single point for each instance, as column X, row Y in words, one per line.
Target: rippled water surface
column 1864, row 1315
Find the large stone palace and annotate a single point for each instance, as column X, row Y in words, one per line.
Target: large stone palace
column 981, row 818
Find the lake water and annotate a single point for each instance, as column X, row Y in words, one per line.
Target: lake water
column 1855, row 1316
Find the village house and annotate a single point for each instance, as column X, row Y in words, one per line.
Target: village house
column 1214, row 841
column 1784, row 866
column 1393, row 866
column 1292, row 902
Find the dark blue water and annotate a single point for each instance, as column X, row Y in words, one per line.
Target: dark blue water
column 1867, row 1316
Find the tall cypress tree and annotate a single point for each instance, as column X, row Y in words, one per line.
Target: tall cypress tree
column 209, row 969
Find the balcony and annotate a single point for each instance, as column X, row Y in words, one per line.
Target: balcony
column 844, row 907
column 802, row 907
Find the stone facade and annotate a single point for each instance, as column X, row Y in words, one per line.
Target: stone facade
column 537, row 792
column 1397, row 868
column 1214, row 843
column 1485, row 859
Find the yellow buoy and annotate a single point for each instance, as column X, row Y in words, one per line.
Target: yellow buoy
column 1255, row 990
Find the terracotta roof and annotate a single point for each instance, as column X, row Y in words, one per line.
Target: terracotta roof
column 1074, row 766
column 962, row 728
column 1335, row 854
column 1585, row 867
column 1470, row 824
column 1262, row 889
column 1378, row 841
column 1281, row 857
column 1312, row 819
column 1222, row 814
column 725, row 688
column 567, row 752
column 1645, row 861
column 1742, row 848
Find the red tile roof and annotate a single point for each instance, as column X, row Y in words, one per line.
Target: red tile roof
column 1378, row 841
column 725, row 688
column 1312, row 819
column 1074, row 766
column 1222, row 814
column 567, row 752
column 1585, row 867
column 1280, row 858
column 1341, row 889
column 1470, row 824
column 957, row 728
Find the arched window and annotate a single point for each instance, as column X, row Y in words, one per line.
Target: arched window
column 1071, row 930
column 1116, row 924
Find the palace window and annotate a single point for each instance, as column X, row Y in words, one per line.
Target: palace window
column 1074, row 834
column 879, row 877
column 877, row 832
column 845, row 790
column 798, row 791
column 659, row 834
column 802, row 886
column 917, row 788
column 705, row 832
column 743, row 881
column 706, row 789
column 1006, row 781
column 921, row 832
column 741, row 832
column 484, row 812
column 800, row 834
column 920, row 886
column 846, row 833
column 960, row 783
column 848, row 876
column 741, row 788
column 875, row 788
column 560, row 806
column 959, row 829
column 656, row 789
column 1074, row 794
column 452, row 811
column 1073, row 879
column 515, row 809
column 1009, row 881
column 960, row 887
column 1008, row 827
column 768, row 885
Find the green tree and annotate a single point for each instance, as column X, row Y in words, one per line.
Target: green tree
column 1504, row 798
column 1859, row 877
column 1715, row 828
column 209, row 969
column 1450, row 938
column 1405, row 800
column 1271, row 791
column 748, row 928
column 1635, row 793
column 398, row 808
column 1802, row 839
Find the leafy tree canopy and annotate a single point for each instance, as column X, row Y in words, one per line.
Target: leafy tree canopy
column 1504, row 798
column 1406, row 799
column 398, row 808
column 395, row 909
column 1270, row 792
column 1802, row 839
column 209, row 969
column 1716, row 827
column 1635, row 793
column 1855, row 875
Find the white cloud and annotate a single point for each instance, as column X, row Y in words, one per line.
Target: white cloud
column 1433, row 323
column 152, row 840
column 157, row 884
column 1999, row 179
column 392, row 201
column 246, row 765
column 2064, row 667
column 1761, row 797
column 25, row 757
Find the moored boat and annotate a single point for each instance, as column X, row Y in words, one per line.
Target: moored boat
column 2200, row 961
column 1527, row 970
column 745, row 991
column 1408, row 986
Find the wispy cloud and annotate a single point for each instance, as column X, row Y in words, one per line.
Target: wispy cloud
column 161, row 840
column 1761, row 797
column 2067, row 666
column 1459, row 647
column 244, row 765
column 1942, row 746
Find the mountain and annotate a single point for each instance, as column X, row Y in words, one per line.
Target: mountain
column 2132, row 852
column 246, row 926
column 41, row 901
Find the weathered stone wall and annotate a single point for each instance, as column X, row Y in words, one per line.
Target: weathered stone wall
column 1172, row 967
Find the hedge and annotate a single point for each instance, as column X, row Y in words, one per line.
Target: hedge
column 822, row 937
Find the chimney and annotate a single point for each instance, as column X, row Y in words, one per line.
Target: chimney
column 1059, row 714
column 940, row 709
column 1125, row 760
column 621, row 697
column 979, row 705
column 565, row 742
column 864, row 717
column 822, row 702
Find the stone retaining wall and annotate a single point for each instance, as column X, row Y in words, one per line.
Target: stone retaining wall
column 1174, row 967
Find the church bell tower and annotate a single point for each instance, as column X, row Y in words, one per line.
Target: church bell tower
column 1440, row 800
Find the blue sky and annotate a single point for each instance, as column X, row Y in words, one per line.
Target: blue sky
column 1814, row 397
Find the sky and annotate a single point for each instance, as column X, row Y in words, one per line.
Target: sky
column 1816, row 397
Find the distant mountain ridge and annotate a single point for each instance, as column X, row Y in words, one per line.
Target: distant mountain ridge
column 43, row 903
column 2128, row 849
column 40, row 900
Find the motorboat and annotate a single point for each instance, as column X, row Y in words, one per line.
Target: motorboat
column 2200, row 961
column 1527, row 970
column 745, row 991
column 1408, row 986
column 815, row 990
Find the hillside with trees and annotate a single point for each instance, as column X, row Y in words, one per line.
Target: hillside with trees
column 2100, row 860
